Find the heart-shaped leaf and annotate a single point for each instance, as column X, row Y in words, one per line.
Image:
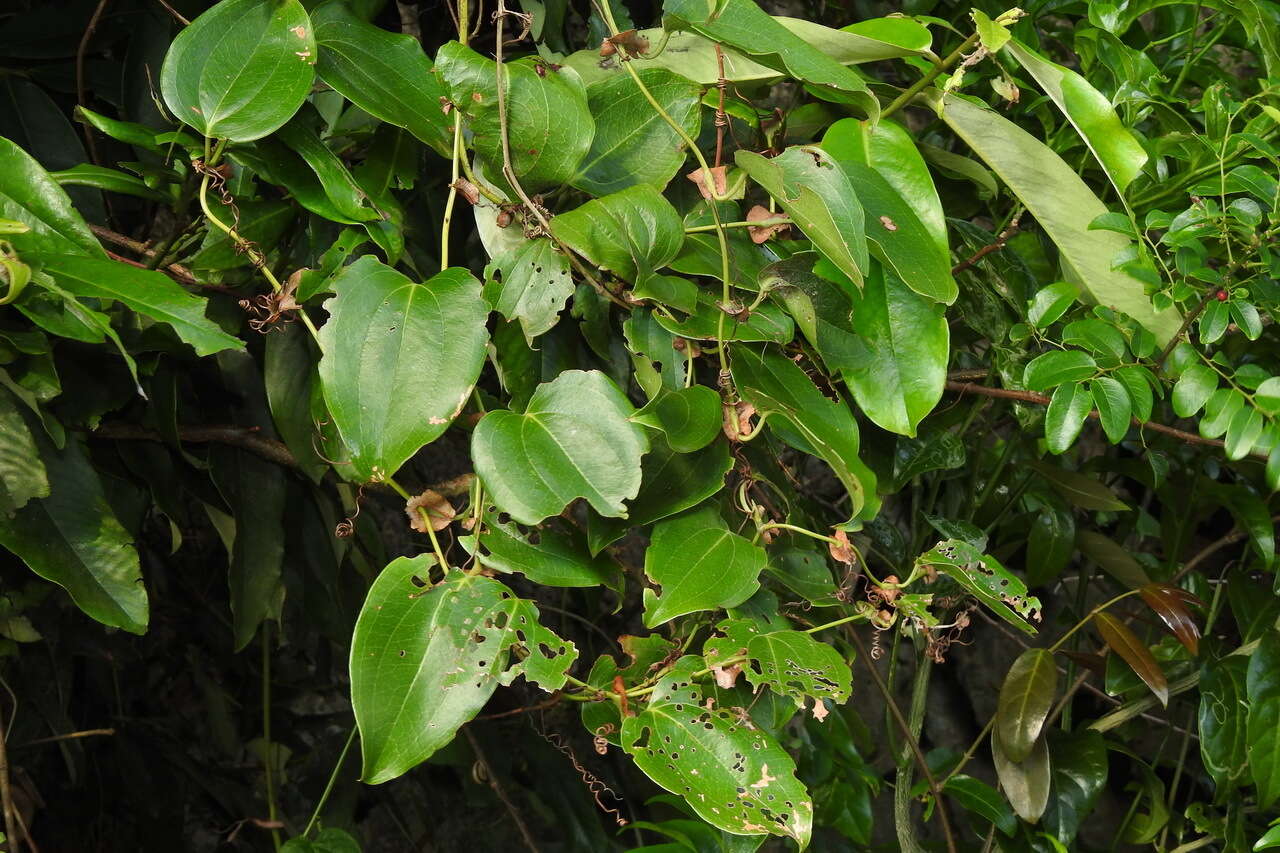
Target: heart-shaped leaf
column 400, row 359
column 424, row 661
column 631, row 233
column 700, row 565
column 242, row 69
column 549, row 558
column 689, row 418
column 530, row 283
column 574, row 440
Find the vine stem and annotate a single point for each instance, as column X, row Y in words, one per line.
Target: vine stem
column 920, row 85
column 333, row 778
column 427, row 521
column 1085, row 620
column 464, row 25
column 6, row 791
column 760, row 223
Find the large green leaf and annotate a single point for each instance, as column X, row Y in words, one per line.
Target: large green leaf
column 700, row 564
column 814, row 423
column 574, row 440
column 821, row 308
column 816, row 193
column 550, row 558
column 1026, row 696
column 1062, row 204
column 631, row 233
column 549, row 124
column 28, row 195
column 1089, row 111
column 1025, row 783
column 888, row 148
column 400, row 359
column 385, row 74
column 794, row 664
column 73, row 539
column 1263, row 724
column 241, row 69
column 735, row 776
column 424, row 661
column 633, row 144
column 907, row 345
column 744, row 26
column 531, row 284
column 150, row 293
column 302, row 134
column 689, row 418
column 1223, row 718
column 22, row 474
column 1079, row 773
column 982, row 576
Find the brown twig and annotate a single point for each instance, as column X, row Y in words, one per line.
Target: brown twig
column 492, row 780
column 1182, row 330
column 177, row 272
column 554, row 699
column 6, row 794
column 82, row 97
column 1042, row 400
column 1001, row 240
column 175, row 13
column 67, row 736
column 722, row 121
column 246, row 438
column 1232, row 537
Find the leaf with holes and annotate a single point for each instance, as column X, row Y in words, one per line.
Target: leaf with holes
column 1026, row 696
column 530, row 283
column 794, row 664
column 700, row 564
column 1125, row 643
column 424, row 660
column 241, row 69
column 573, row 440
column 731, row 773
column 545, row 557
column 983, row 577
column 400, row 359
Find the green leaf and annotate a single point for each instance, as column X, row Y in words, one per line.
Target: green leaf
column 775, row 384
column 1125, row 643
column 1112, row 558
column 992, row 35
column 73, row 539
column 424, row 661
column 289, row 379
column 821, row 308
column 1137, row 380
column 550, row 559
column 400, row 359
column 1050, row 303
column 817, row 195
column 1063, row 205
column 766, row 323
column 1079, row 764
column 689, row 418
column 980, row 798
column 532, row 285
column 633, row 144
column 260, row 222
column 1193, row 388
column 1027, row 694
column 1089, row 111
column 631, row 233
column 1114, row 408
column 149, row 293
column 743, row 25
column 744, row 781
column 574, row 440
column 549, row 124
column 1056, row 367
column 1068, row 408
column 1051, row 543
column 241, row 69
column 984, row 578
column 794, row 664
column 1263, row 724
column 28, row 195
column 327, row 840
column 700, row 565
column 302, row 134
column 255, row 491
column 22, row 474
column 108, row 180
column 889, row 149
column 1081, row 490
column 908, row 343
column 385, row 74
column 1026, row 783
column 1224, row 707
column 700, row 254
column 1243, row 432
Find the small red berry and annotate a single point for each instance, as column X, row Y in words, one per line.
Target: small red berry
column 1222, row 295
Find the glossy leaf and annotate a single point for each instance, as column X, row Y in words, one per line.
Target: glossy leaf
column 1223, row 717
column 400, row 359
column 574, row 440
column 978, row 797
column 1113, row 559
column 550, row 558
column 816, row 424
column 1056, row 367
column 817, row 195
column 1125, row 643
column 1262, row 682
column 1068, row 409
column 22, row 474
column 1026, row 783
column 28, row 195
column 765, row 323
column 632, row 143
column 982, row 576
column 73, row 539
column 744, row 781
column 822, row 309
column 241, row 69
column 1062, row 204
column 1079, row 773
column 531, row 284
column 689, row 418
column 1193, row 389
column 631, row 233
column 385, row 74
column 700, row 565
column 1114, row 408
column 1027, row 694
column 1170, row 604
column 425, row 660
column 302, row 134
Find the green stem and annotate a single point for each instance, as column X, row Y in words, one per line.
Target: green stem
column 1084, row 621
column 760, row 223
column 426, row 521
column 921, row 84
column 333, row 778
column 902, row 798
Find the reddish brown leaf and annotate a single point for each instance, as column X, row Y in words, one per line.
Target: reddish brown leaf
column 1170, row 604
column 841, row 552
column 718, row 176
column 437, row 508
column 761, row 233
column 1125, row 643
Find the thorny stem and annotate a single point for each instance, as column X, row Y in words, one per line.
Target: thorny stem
column 333, row 778
column 902, row 781
column 921, row 84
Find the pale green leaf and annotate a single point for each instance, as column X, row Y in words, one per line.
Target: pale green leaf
column 700, row 565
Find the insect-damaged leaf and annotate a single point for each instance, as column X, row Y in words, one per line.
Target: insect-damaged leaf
column 400, row 359
column 700, row 564
column 794, row 664
column 574, row 440
column 1125, row 643
column 991, row 583
column 735, row 776
column 1025, row 699
column 424, row 661
column 531, row 284
column 241, row 69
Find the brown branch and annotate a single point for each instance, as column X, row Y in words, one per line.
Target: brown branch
column 497, row 789
column 67, row 736
column 246, row 438
column 81, row 91
column 1182, row 330
column 1042, row 400
column 177, row 272
column 1001, row 240
column 6, row 795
